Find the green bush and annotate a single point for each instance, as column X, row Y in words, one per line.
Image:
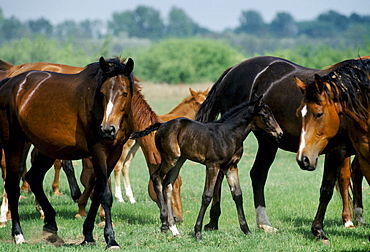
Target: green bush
column 185, row 60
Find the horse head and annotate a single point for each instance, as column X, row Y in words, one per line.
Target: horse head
column 117, row 89
column 265, row 122
column 320, row 120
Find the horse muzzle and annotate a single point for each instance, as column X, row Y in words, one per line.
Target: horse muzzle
column 306, row 164
column 108, row 132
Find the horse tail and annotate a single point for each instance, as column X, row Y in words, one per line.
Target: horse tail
column 5, row 66
column 147, row 131
column 209, row 109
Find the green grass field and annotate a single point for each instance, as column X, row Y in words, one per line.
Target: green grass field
column 292, row 197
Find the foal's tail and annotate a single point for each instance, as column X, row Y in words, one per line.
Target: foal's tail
column 147, row 131
column 209, row 109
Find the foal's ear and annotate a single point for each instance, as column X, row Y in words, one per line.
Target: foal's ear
column 129, row 67
column 300, row 84
column 104, row 66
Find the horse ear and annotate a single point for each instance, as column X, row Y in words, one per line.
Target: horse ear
column 129, row 67
column 319, row 84
column 259, row 104
column 192, row 92
column 205, row 92
column 300, row 84
column 104, row 66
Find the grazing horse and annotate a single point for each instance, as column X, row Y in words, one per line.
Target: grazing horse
column 95, row 105
column 187, row 108
column 274, row 78
column 345, row 90
column 218, row 145
column 143, row 116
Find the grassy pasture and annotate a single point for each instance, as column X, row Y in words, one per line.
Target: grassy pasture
column 292, row 198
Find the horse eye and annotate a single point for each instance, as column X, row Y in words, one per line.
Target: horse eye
column 318, row 115
column 124, row 94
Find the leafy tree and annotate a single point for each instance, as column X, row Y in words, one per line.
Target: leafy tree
column 91, row 29
column 143, row 22
column 41, row 26
column 251, row 22
column 283, row 25
column 180, row 24
column 12, row 28
column 337, row 20
column 67, row 29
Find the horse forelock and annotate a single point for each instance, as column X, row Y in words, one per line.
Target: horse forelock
column 348, row 84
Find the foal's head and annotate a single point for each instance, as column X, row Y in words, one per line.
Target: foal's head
column 117, row 88
column 265, row 122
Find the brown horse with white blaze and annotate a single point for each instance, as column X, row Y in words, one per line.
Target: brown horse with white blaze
column 95, row 105
column 340, row 97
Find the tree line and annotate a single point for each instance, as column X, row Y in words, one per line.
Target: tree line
column 147, row 23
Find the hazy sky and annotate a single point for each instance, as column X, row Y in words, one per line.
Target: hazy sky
column 212, row 14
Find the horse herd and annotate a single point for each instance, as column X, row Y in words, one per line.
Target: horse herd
column 298, row 109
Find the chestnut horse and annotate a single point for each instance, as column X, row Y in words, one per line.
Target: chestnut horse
column 344, row 90
column 187, row 108
column 95, row 105
column 143, row 116
column 274, row 78
column 218, row 145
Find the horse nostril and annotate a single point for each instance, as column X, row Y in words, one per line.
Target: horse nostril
column 108, row 132
column 305, row 162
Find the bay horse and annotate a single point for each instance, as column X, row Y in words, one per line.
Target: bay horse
column 273, row 77
column 192, row 104
column 8, row 70
column 96, row 107
column 188, row 108
column 143, row 116
column 345, row 90
column 218, row 145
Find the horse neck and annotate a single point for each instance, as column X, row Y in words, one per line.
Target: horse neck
column 240, row 123
column 364, row 125
column 184, row 109
column 143, row 114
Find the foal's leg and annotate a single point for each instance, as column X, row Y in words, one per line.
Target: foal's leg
column 215, row 211
column 357, row 178
column 55, row 184
column 236, row 192
column 211, row 177
column 168, row 186
column 125, row 171
column 35, row 177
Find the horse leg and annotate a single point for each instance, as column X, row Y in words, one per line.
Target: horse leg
column 211, row 178
column 125, row 171
column 88, row 181
column 4, row 206
column 168, row 185
column 215, row 211
column 265, row 157
column 55, row 185
column 236, row 192
column 357, row 178
column 176, row 201
column 35, row 177
column 333, row 162
column 13, row 158
column 72, row 182
column 25, row 187
column 344, row 181
column 157, row 180
column 102, row 195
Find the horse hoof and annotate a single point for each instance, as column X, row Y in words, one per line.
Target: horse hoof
column 268, row 228
column 198, row 236
column 53, row 238
column 349, row 224
column 86, row 243
column 113, row 247
column 323, row 241
column 210, row 227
